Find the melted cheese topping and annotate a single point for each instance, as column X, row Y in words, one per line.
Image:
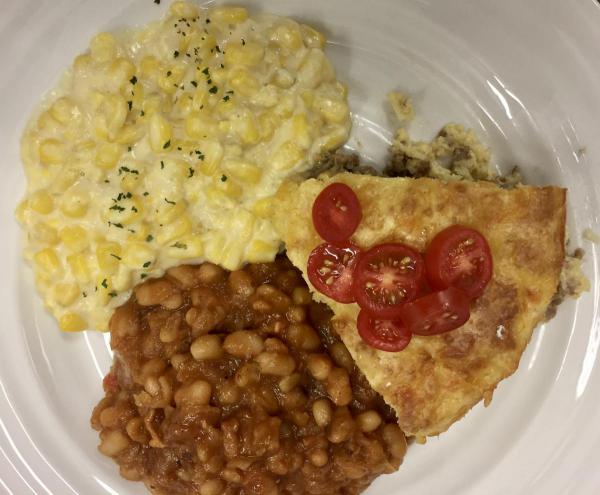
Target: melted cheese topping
column 164, row 145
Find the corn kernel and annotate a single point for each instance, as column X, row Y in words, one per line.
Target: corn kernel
column 183, row 9
column 149, row 66
column 127, row 210
column 120, row 72
column 47, row 261
column 334, row 111
column 74, row 238
column 243, row 83
column 80, row 267
column 287, row 156
column 200, row 126
column 107, row 155
column 243, row 125
column 334, row 139
column 110, row 117
column 249, row 54
column 130, row 134
column 74, row 203
column 41, row 202
column 213, row 154
column 169, row 79
column 137, row 255
column 229, row 187
column 160, row 133
column 178, row 228
column 283, row 79
column 65, row 180
column 64, row 110
column 310, row 72
column 103, row 47
column 107, row 255
column 20, row 211
column 288, row 37
column 312, row 37
column 122, row 281
column 82, row 62
column 199, row 98
column 72, row 322
column 243, row 171
column 186, row 247
column 65, row 293
column 52, row 152
column 300, row 131
column 43, row 233
column 105, row 290
column 267, row 123
column 167, row 212
column 261, row 251
column 229, row 15
column 262, row 207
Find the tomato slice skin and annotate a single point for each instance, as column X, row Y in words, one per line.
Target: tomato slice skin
column 459, row 257
column 385, row 335
column 436, row 313
column 331, row 270
column 336, row 213
column 386, row 276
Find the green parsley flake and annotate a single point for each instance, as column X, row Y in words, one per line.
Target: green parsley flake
column 133, row 80
column 149, row 238
column 191, row 172
column 223, row 178
column 175, row 54
column 166, row 145
column 147, row 264
column 213, row 90
column 115, row 256
column 104, row 284
column 170, row 202
column 179, row 245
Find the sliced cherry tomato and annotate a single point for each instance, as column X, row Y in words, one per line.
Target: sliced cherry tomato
column 387, row 276
column 336, row 213
column 385, row 335
column 436, row 313
column 459, row 257
column 331, row 270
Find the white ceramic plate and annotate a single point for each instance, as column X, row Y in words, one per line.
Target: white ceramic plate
column 525, row 75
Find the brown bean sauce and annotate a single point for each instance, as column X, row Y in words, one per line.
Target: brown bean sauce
column 234, row 383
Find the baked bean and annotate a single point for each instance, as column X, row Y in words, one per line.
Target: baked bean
column 205, row 319
column 294, row 399
column 210, row 274
column 212, row 487
column 228, row 393
column 154, row 292
column 319, row 366
column 136, row 430
column 169, row 332
column 322, row 412
column 301, row 296
column 368, row 421
column 296, row 314
column 341, row 356
column 275, row 345
column 276, row 299
column 247, row 374
column 186, row 275
column 153, row 367
column 198, row 392
column 112, row 442
column 300, row 418
column 276, row 363
column 178, row 360
column 241, row 283
column 124, row 322
column 338, row 387
column 395, row 440
column 207, row 347
column 341, row 427
column 243, row 344
column 173, row 301
column 130, row 473
column 286, row 384
column 231, row 475
column 303, row 336
column 268, row 400
column 318, row 457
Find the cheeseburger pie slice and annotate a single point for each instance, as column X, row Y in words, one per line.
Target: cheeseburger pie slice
column 436, row 380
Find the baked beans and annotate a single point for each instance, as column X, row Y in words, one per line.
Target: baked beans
column 235, row 384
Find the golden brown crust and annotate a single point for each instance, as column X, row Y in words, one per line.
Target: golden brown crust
column 436, row 380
